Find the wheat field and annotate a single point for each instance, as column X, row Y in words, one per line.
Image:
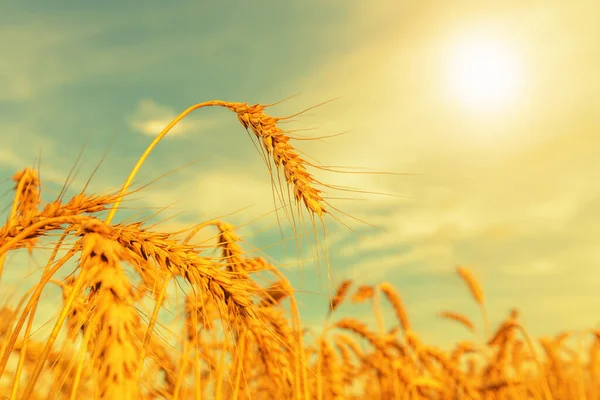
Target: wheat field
column 235, row 336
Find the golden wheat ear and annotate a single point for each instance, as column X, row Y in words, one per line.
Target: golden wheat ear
column 394, row 298
column 275, row 142
column 460, row 318
column 477, row 294
column 340, row 295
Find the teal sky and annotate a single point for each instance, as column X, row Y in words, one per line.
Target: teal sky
column 505, row 187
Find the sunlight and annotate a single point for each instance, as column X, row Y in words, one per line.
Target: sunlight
column 483, row 74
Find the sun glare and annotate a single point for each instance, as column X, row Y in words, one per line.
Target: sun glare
column 483, row 73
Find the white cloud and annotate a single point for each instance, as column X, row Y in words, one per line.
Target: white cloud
column 9, row 158
column 150, row 118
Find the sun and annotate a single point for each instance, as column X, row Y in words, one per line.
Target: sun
column 483, row 73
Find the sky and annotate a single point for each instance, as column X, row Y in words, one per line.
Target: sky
column 490, row 111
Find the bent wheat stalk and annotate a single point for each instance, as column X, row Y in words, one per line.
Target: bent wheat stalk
column 275, row 142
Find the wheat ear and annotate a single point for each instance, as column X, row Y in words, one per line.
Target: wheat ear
column 478, row 295
column 275, row 142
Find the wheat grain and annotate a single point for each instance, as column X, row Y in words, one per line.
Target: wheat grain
column 462, row 319
column 396, row 301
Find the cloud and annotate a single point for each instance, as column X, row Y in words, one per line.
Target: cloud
column 150, row 118
column 46, row 53
column 9, row 158
column 216, row 193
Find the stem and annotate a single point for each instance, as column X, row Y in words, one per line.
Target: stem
column 91, row 327
column 161, row 135
column 151, row 324
column 240, row 364
column 53, row 335
column 545, row 385
column 7, row 348
column 376, row 303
